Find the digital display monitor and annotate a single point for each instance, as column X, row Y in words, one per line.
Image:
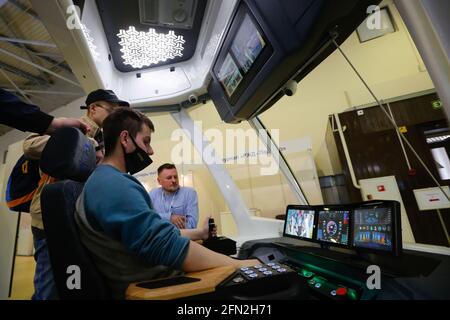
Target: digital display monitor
column 373, row 228
column 245, row 49
column 229, row 75
column 268, row 44
column 247, row 45
column 299, row 223
column 333, row 226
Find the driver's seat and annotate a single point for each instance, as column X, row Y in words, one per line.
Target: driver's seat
column 69, row 157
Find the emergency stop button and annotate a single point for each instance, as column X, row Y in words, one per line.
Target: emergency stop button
column 341, row 292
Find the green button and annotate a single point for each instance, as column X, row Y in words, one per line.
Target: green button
column 352, row 294
column 306, row 273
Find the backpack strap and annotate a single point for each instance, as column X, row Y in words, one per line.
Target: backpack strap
column 29, row 196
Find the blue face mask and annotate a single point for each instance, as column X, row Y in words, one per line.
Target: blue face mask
column 137, row 160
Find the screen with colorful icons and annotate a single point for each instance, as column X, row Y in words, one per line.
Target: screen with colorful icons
column 333, row 226
column 372, row 228
column 299, row 223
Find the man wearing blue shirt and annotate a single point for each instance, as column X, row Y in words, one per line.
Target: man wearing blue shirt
column 176, row 204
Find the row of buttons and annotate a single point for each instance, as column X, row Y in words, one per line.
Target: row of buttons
column 341, row 291
column 260, row 271
column 264, row 269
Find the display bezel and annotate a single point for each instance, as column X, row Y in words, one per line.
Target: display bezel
column 396, row 232
column 299, row 207
column 226, row 50
column 350, row 221
column 394, row 206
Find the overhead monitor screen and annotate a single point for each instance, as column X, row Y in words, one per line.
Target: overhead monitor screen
column 229, row 75
column 245, row 49
column 373, row 228
column 333, row 226
column 299, row 223
column 248, row 44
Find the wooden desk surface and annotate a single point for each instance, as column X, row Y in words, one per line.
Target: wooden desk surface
column 209, row 279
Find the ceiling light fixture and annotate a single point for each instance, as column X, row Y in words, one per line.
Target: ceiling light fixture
column 143, row 49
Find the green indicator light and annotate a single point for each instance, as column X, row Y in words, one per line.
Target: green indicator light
column 352, row 294
column 306, row 273
column 319, row 280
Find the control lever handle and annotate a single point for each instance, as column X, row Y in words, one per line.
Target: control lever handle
column 212, row 226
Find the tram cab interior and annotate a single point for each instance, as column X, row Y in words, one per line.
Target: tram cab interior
column 315, row 133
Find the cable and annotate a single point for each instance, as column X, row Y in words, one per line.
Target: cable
column 399, row 138
column 391, row 120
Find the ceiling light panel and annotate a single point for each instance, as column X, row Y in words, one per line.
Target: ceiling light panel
column 144, row 49
column 136, row 46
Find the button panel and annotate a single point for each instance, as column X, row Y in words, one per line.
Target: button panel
column 268, row 270
column 325, row 287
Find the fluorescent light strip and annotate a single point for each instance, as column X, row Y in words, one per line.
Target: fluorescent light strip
column 437, row 139
column 143, row 49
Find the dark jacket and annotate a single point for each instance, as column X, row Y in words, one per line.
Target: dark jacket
column 22, row 116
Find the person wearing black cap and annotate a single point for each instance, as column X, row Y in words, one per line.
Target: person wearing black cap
column 99, row 104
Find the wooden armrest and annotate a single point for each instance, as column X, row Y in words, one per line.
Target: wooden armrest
column 209, row 280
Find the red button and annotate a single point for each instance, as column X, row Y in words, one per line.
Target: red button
column 341, row 292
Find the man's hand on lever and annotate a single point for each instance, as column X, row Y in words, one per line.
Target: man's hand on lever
column 210, row 227
column 199, row 233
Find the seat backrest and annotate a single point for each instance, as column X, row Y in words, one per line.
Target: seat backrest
column 69, row 155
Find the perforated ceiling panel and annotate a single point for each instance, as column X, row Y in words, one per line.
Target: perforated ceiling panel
column 150, row 33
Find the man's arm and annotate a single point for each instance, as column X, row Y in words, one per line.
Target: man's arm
column 178, row 221
column 192, row 210
column 58, row 123
column 26, row 117
column 142, row 231
column 197, row 233
column 20, row 115
column 200, row 258
column 130, row 220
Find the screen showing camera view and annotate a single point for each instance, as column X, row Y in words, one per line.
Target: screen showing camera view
column 333, row 226
column 229, row 75
column 248, row 44
column 245, row 49
column 373, row 228
column 300, row 223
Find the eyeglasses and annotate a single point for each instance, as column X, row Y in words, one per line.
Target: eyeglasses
column 108, row 109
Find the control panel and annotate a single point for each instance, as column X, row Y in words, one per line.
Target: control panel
column 261, row 271
column 323, row 286
column 265, row 281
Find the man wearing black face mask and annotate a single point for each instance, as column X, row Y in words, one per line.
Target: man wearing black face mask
column 127, row 239
column 137, row 160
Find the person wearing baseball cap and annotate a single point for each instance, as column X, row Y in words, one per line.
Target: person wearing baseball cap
column 99, row 104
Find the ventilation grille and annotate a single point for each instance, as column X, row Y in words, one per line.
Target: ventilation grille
column 177, row 14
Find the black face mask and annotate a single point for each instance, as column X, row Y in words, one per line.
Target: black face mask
column 136, row 161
